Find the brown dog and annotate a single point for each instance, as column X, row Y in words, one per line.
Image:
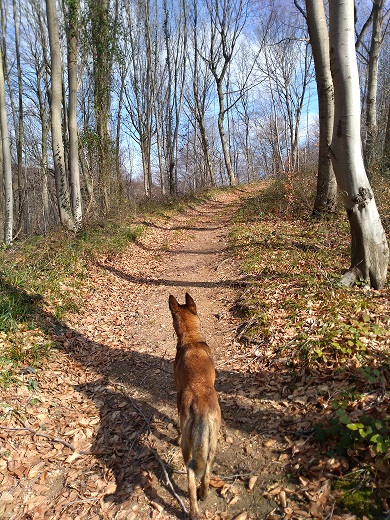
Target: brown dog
column 197, row 401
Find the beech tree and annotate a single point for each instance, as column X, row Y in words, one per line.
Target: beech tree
column 104, row 21
column 227, row 20
column 198, row 97
column 325, row 200
column 61, row 180
column 19, row 118
column 6, row 161
column 175, row 40
column 372, row 81
column 141, row 90
column 72, row 16
column 369, row 249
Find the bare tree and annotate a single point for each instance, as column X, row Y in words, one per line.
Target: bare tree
column 372, row 86
column 197, row 98
column 6, row 160
column 227, row 20
column 62, row 187
column 40, row 88
column 141, row 92
column 175, row 39
column 19, row 121
column 325, row 200
column 104, row 22
column 369, row 249
column 72, row 16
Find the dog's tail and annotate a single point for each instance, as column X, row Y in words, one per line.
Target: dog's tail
column 201, row 436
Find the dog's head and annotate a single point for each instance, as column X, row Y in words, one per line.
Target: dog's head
column 185, row 317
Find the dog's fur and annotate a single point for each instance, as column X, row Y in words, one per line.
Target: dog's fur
column 197, row 401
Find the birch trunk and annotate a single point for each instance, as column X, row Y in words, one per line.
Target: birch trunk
column 19, row 122
column 61, row 181
column 72, row 37
column 325, row 201
column 222, row 135
column 7, row 171
column 372, row 87
column 386, row 148
column 369, row 250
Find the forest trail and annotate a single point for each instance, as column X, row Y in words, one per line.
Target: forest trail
column 109, row 391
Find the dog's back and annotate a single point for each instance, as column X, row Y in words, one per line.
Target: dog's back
column 197, row 401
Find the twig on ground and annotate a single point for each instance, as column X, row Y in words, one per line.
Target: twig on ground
column 147, row 422
column 137, row 408
column 168, row 480
column 37, row 433
column 239, row 475
column 330, row 515
column 83, row 501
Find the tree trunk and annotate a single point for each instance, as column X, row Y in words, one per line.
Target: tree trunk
column 222, row 135
column 386, row 148
column 102, row 45
column 369, row 250
column 19, row 123
column 145, row 153
column 372, row 87
column 44, row 138
column 7, row 171
column 325, row 201
column 199, row 100
column 72, row 37
column 62, row 188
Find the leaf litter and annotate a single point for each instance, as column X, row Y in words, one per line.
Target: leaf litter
column 96, row 435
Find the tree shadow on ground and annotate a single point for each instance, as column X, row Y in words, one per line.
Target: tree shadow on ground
column 177, row 283
column 148, row 223
column 135, row 397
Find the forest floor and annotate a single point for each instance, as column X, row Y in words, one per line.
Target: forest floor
column 96, row 435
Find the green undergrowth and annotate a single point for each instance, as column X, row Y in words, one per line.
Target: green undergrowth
column 43, row 278
column 293, row 308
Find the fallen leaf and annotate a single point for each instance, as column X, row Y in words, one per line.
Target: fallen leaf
column 241, row 516
column 252, row 481
column 217, row 483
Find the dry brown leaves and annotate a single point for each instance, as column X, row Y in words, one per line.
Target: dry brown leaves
column 86, row 445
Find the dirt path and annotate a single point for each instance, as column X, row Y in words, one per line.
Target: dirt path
column 111, row 393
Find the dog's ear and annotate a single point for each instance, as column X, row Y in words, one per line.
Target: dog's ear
column 173, row 305
column 190, row 304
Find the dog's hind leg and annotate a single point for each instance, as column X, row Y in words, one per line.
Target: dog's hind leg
column 205, row 482
column 194, row 512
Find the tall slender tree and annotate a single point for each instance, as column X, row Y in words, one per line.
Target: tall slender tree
column 372, row 81
column 6, row 161
column 197, row 99
column 72, row 18
column 20, row 117
column 369, row 249
column 104, row 20
column 227, row 20
column 325, row 200
column 60, row 173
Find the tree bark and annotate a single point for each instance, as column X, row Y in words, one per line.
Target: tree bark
column 386, row 148
column 103, row 45
column 222, row 135
column 372, row 86
column 325, row 201
column 199, row 90
column 61, row 180
column 72, row 37
column 7, row 171
column 19, row 123
column 369, row 250
column 227, row 19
